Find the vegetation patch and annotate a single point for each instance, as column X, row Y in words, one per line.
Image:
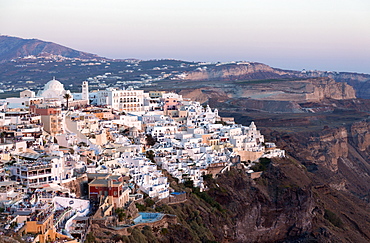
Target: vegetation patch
column 261, row 165
column 333, row 218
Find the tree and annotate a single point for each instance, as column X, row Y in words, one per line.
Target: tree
column 150, row 141
column 189, row 183
column 120, row 212
column 67, row 97
column 150, row 155
column 2, row 136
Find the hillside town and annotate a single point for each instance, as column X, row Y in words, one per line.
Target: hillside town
column 68, row 160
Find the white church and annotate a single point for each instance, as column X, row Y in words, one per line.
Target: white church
column 52, row 94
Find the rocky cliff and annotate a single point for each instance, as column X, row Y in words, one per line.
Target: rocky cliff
column 259, row 71
column 360, row 133
column 287, row 204
column 327, row 88
column 337, row 156
column 250, row 70
column 338, row 163
column 275, row 96
column 319, row 193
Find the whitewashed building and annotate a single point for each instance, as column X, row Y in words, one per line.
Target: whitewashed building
column 128, row 100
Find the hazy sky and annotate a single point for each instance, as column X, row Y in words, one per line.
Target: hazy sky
column 293, row 34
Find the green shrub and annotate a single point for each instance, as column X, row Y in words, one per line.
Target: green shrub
column 333, row 218
column 207, row 177
column 140, row 207
column 149, row 202
column 261, row 165
column 90, row 238
column 164, row 231
column 208, row 199
column 189, row 183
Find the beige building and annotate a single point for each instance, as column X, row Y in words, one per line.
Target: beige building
column 53, row 124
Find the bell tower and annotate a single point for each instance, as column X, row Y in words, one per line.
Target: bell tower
column 85, row 91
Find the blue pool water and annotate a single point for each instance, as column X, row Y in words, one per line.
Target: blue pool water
column 148, row 218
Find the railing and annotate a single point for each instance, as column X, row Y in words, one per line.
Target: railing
column 56, row 222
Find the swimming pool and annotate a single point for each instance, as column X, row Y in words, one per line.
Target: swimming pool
column 148, row 218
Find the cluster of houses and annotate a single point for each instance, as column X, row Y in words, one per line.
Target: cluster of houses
column 69, row 158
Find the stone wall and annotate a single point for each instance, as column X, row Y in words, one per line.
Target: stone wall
column 77, row 186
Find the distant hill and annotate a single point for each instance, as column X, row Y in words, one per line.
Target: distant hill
column 14, row 47
column 259, row 71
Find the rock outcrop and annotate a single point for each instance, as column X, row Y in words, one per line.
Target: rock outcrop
column 250, row 70
column 360, row 133
column 203, row 95
column 326, row 88
column 328, row 148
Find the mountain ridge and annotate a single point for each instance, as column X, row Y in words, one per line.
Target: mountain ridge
column 15, row 47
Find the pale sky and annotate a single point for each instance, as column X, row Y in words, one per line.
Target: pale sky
column 331, row 35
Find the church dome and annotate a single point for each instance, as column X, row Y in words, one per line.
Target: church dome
column 53, row 90
column 54, row 85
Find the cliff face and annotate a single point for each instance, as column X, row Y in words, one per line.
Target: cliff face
column 230, row 72
column 329, row 89
column 320, row 193
column 286, row 204
column 338, row 161
column 311, row 90
column 238, row 209
column 339, row 150
column 327, row 149
column 276, row 97
column 259, row 71
column 203, row 95
column 360, row 132
column 272, row 209
column 339, row 156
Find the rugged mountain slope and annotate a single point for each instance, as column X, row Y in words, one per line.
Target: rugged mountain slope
column 320, row 193
column 274, row 96
column 286, row 204
column 14, row 47
column 259, row 71
column 340, row 154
